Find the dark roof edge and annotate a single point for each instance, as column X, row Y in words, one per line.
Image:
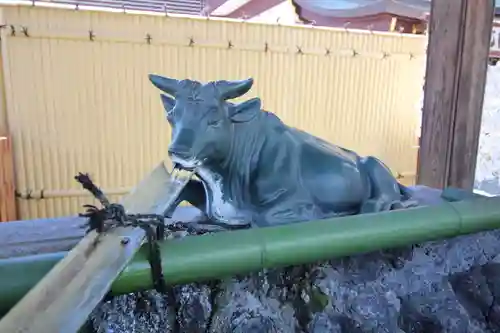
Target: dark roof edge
column 382, row 6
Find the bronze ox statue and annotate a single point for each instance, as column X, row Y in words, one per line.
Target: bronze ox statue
column 253, row 168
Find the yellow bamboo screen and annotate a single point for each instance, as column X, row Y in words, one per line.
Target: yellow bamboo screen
column 78, row 96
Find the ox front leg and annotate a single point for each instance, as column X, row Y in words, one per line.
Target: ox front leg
column 385, row 193
column 194, row 193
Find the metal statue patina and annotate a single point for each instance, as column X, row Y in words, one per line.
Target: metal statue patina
column 253, row 167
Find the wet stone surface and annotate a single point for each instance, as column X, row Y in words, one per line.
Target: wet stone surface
column 446, row 286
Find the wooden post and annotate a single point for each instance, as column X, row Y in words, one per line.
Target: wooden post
column 64, row 298
column 8, row 209
column 459, row 42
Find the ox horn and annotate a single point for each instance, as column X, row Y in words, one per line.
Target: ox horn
column 165, row 84
column 234, row 89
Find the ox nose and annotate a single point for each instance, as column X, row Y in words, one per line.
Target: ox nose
column 182, row 144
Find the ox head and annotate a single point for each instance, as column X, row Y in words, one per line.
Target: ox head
column 202, row 119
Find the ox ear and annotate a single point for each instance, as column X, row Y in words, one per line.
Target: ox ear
column 168, row 103
column 165, row 84
column 245, row 111
column 234, row 89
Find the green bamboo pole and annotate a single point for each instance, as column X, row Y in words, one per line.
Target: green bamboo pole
column 199, row 258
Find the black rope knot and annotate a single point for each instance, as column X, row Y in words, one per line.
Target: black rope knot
column 114, row 215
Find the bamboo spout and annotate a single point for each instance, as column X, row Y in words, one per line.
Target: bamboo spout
column 201, row 258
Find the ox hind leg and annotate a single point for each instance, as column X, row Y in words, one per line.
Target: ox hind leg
column 385, row 192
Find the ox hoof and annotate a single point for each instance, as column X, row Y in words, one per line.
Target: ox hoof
column 374, row 206
column 403, row 204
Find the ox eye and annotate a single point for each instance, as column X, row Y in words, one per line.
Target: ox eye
column 213, row 122
column 213, row 117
